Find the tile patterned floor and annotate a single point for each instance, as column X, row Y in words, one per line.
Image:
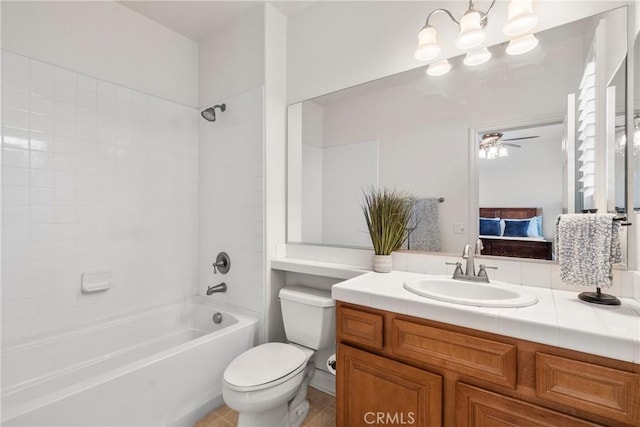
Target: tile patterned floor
column 322, row 413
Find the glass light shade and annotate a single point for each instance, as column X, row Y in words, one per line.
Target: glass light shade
column 521, row 45
column 471, row 32
column 521, row 18
column 428, row 47
column 636, row 138
column 439, row 68
column 477, row 57
column 502, row 152
column 493, row 152
column 482, row 154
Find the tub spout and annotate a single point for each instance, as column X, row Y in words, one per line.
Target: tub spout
column 222, row 287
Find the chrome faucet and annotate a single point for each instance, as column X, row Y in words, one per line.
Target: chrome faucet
column 222, row 287
column 470, row 268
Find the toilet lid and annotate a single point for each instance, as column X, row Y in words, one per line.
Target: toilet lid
column 264, row 364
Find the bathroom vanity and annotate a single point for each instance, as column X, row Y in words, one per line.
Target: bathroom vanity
column 406, row 359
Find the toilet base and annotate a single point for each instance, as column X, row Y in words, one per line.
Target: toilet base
column 298, row 414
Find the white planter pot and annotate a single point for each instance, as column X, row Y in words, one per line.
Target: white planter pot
column 382, row 263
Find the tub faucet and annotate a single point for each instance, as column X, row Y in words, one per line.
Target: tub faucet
column 222, row 287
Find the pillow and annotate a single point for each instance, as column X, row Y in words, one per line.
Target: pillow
column 534, row 229
column 490, row 227
column 516, row 228
column 538, row 224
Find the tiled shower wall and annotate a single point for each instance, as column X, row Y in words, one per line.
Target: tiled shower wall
column 231, row 203
column 94, row 177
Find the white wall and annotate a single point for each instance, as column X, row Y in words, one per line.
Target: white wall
column 231, row 206
column 95, row 176
column 106, row 40
column 231, row 59
column 334, row 45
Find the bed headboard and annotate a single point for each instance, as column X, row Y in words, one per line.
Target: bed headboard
column 510, row 213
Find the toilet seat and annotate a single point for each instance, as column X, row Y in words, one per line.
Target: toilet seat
column 264, row 366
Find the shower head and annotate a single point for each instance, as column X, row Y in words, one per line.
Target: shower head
column 210, row 113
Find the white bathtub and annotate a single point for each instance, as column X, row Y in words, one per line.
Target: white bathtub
column 155, row 368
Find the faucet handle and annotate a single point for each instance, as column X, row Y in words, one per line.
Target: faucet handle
column 479, row 247
column 482, row 270
column 458, row 270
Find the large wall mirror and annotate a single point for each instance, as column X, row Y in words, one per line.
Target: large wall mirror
column 505, row 136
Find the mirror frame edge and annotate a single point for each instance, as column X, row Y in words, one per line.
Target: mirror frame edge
column 633, row 38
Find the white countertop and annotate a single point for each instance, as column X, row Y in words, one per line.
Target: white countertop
column 558, row 319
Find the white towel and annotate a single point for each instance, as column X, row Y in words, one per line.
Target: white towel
column 586, row 247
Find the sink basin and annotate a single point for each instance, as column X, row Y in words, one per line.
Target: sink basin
column 470, row 293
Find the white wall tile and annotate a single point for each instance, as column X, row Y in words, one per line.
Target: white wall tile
column 42, row 88
column 70, row 204
column 15, row 176
column 15, row 118
column 41, row 71
column 536, row 274
column 231, row 215
column 15, row 99
column 14, row 157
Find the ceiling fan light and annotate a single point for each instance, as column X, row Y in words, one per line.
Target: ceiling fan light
column 439, row 68
column 477, row 57
column 482, row 154
column 428, row 47
column 502, row 152
column 521, row 18
column 471, row 32
column 521, row 45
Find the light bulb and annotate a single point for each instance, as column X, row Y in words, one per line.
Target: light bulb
column 636, row 138
column 439, row 68
column 471, row 32
column 502, row 152
column 493, row 152
column 477, row 57
column 482, row 154
column 428, row 47
column 521, row 19
column 521, row 45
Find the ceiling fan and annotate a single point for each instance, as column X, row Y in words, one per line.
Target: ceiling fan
column 492, row 145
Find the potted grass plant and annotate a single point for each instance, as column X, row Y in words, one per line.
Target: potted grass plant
column 387, row 213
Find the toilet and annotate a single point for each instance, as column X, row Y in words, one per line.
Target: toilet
column 267, row 384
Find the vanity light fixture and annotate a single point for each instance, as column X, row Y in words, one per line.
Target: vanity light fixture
column 477, row 57
column 439, row 68
column 520, row 22
column 521, row 45
column 521, row 19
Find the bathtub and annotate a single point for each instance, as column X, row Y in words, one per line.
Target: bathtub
column 161, row 367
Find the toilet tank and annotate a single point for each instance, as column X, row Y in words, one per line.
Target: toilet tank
column 309, row 316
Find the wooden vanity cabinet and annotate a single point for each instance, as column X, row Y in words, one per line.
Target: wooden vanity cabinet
column 412, row 371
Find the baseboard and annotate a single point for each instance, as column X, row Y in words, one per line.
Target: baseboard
column 324, row 381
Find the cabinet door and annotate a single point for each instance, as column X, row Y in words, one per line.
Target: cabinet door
column 373, row 390
column 480, row 408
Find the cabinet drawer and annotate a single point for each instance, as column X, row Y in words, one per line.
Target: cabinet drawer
column 599, row 390
column 477, row 357
column 360, row 327
column 478, row 407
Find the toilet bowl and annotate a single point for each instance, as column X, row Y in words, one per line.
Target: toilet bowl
column 267, row 384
